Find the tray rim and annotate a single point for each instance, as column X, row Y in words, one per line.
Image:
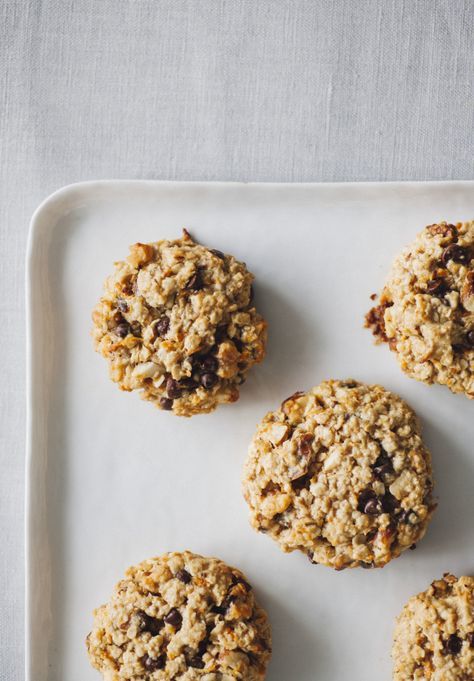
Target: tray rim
column 70, row 191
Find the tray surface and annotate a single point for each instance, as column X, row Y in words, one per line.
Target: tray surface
column 112, row 480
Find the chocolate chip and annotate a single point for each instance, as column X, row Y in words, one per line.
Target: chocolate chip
column 122, row 305
column 368, row 502
column 389, row 503
column 218, row 254
column 152, row 664
column 456, row 253
column 366, row 566
column 383, row 465
column 458, row 348
column 166, row 404
column 206, row 363
column 219, row 609
column 174, row 618
column 251, row 294
column 470, row 337
column 122, row 329
column 196, row 662
column 237, row 579
column 238, row 344
column 304, row 482
column 311, row 559
column 208, row 380
column 162, row 326
column 172, row 389
column 436, row 286
column 453, row 645
column 188, row 383
column 146, row 623
column 136, row 328
column 195, row 283
column 412, row 547
column 370, row 536
column 470, row 639
column 183, row 576
column 372, row 507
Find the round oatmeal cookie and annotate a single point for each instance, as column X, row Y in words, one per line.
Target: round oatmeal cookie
column 183, row 617
column 341, row 473
column 426, row 310
column 177, row 323
column 434, row 634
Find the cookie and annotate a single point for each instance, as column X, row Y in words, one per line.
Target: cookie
column 434, row 634
column 341, row 473
column 183, row 617
column 177, row 323
column 426, row 309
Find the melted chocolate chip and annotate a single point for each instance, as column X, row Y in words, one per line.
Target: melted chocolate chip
column 195, row 283
column 368, row 502
column 436, row 286
column 166, row 404
column 174, row 618
column 161, row 327
column 172, row 388
column 372, row 507
column 370, row 536
column 183, row 576
column 208, row 380
column 453, row 645
column 458, row 348
column 188, row 384
column 389, row 502
column 196, row 662
column 122, row 329
column 383, row 465
column 219, row 609
column 136, row 329
column 152, row 664
column 237, row 579
column 146, row 623
column 304, row 482
column 205, row 363
column 456, row 253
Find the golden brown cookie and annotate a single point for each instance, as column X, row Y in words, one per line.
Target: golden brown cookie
column 176, row 322
column 426, row 309
column 341, row 473
column 434, row 634
column 181, row 617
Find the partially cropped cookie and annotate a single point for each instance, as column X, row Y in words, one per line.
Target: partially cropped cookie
column 181, row 617
column 434, row 634
column 426, row 310
column 341, row 473
column 177, row 323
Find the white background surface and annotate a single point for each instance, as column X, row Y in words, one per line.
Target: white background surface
column 270, row 90
column 114, row 481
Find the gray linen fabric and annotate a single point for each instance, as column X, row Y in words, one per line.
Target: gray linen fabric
column 287, row 90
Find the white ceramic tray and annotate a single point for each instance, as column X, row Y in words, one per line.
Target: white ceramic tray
column 112, row 480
